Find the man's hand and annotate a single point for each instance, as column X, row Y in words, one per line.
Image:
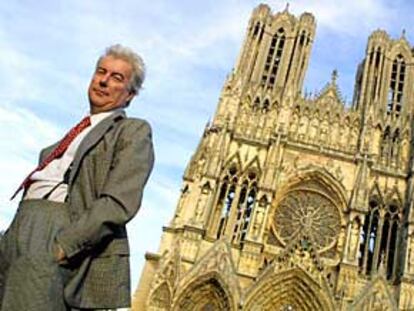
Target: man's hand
column 59, row 254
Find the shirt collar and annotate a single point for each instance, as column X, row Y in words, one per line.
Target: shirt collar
column 98, row 117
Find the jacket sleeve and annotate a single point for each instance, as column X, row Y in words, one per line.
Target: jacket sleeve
column 122, row 192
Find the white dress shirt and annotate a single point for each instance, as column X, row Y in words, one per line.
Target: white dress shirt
column 52, row 175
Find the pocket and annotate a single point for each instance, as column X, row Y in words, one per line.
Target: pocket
column 38, row 228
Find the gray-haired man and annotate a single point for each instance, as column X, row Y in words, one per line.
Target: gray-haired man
column 67, row 246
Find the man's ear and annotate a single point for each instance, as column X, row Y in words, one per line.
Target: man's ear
column 130, row 96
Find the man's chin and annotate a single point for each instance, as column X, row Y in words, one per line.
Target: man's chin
column 97, row 107
column 98, row 102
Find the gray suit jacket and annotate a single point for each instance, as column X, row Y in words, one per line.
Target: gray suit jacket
column 106, row 183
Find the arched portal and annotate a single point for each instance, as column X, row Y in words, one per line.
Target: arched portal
column 289, row 290
column 206, row 294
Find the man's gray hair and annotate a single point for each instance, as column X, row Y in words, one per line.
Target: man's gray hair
column 136, row 62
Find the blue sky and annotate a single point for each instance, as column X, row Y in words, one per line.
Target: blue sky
column 48, row 51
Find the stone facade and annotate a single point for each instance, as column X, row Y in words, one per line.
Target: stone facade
column 291, row 201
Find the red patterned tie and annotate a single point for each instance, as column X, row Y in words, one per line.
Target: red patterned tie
column 57, row 152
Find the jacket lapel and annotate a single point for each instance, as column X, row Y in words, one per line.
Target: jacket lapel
column 46, row 151
column 92, row 138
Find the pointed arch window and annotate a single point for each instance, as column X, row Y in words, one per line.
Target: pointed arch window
column 396, row 87
column 225, row 200
column 246, row 201
column 273, row 58
column 265, row 106
column 391, row 236
column 303, row 40
column 256, row 29
column 261, row 106
column 369, row 237
column 256, row 104
column 375, row 58
column 379, row 239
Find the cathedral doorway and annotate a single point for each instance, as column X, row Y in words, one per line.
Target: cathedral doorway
column 291, row 290
column 204, row 295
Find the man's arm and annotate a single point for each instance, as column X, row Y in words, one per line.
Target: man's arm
column 121, row 196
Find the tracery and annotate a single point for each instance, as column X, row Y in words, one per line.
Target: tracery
column 380, row 238
column 307, row 213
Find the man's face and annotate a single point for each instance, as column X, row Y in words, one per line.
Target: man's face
column 109, row 87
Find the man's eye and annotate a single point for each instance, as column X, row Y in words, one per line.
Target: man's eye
column 118, row 78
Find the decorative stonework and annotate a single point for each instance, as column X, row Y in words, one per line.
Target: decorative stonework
column 295, row 201
column 309, row 214
column 208, row 295
column 211, row 281
column 375, row 296
column 295, row 278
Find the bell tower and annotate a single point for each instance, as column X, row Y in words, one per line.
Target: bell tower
column 276, row 50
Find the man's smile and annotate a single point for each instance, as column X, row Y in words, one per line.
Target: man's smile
column 100, row 92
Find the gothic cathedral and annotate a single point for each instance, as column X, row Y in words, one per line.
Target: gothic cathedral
column 294, row 201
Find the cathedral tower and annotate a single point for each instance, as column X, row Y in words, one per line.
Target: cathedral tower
column 293, row 202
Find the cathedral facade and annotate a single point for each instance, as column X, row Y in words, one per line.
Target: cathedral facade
column 290, row 201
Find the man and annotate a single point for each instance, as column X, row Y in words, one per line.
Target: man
column 67, row 246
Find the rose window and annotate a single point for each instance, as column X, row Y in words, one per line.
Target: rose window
column 310, row 215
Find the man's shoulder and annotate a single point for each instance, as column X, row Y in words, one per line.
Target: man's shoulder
column 135, row 124
column 131, row 128
column 136, row 121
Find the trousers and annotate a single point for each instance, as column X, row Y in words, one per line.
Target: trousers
column 30, row 277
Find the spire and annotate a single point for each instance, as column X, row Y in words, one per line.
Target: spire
column 334, row 77
column 287, row 7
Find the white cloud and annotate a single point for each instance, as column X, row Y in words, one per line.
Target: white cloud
column 347, row 17
column 22, row 135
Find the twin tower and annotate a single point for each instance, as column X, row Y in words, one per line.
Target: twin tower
column 295, row 202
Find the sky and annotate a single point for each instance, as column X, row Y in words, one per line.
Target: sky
column 48, row 51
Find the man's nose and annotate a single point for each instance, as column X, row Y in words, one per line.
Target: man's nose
column 103, row 81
